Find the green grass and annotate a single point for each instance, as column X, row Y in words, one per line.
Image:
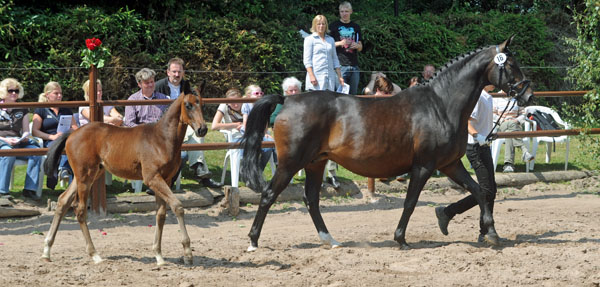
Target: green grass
column 578, row 160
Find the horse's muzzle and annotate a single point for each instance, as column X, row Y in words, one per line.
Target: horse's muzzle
column 202, row 131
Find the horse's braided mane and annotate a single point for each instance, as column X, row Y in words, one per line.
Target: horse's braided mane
column 452, row 62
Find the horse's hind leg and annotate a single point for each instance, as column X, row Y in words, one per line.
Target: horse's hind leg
column 312, row 189
column 81, row 211
column 162, row 191
column 161, row 213
column 460, row 175
column 63, row 204
column 418, row 178
column 280, row 180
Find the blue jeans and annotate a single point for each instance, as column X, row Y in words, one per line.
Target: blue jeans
column 351, row 75
column 7, row 162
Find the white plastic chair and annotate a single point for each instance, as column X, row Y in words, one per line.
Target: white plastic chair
column 40, row 142
column 234, row 157
column 497, row 144
column 549, row 140
column 137, row 184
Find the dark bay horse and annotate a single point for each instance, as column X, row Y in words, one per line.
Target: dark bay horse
column 151, row 152
column 418, row 130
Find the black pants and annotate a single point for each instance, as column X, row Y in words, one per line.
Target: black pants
column 480, row 158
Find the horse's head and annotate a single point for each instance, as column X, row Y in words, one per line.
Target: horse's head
column 191, row 113
column 504, row 73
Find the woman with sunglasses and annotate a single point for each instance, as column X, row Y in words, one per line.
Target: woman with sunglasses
column 14, row 133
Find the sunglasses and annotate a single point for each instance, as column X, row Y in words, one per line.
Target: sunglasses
column 16, row 91
column 258, row 93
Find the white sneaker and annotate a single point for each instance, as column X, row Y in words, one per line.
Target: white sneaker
column 527, row 157
column 508, row 168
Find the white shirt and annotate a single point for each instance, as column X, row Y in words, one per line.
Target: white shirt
column 511, row 112
column 482, row 117
column 322, row 57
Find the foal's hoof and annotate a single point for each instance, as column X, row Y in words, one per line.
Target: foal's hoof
column 405, row 246
column 188, row 261
column 46, row 259
column 251, row 248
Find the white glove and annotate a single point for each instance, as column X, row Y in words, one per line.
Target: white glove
column 481, row 140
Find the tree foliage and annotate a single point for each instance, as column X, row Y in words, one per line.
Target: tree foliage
column 586, row 73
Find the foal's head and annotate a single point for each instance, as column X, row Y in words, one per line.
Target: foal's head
column 504, row 72
column 191, row 113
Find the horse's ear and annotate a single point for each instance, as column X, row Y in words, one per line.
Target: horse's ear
column 506, row 43
column 200, row 89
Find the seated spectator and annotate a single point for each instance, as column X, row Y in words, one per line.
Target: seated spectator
column 383, row 86
column 291, row 86
column 172, row 86
column 229, row 117
column 111, row 115
column 369, row 88
column 509, row 122
column 136, row 115
column 14, row 133
column 428, row 73
column 45, row 126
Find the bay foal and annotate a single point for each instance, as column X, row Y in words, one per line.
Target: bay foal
column 151, row 152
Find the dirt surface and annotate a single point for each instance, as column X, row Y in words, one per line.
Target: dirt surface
column 551, row 237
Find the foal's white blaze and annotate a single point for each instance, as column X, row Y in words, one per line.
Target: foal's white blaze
column 326, row 238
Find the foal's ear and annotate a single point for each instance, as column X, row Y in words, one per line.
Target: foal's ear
column 200, row 89
column 506, row 43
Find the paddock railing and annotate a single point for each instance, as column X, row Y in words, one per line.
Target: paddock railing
column 99, row 198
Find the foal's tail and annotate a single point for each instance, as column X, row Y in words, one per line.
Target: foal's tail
column 255, row 131
column 54, row 153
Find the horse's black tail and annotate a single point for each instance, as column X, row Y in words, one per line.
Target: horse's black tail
column 54, row 153
column 252, row 139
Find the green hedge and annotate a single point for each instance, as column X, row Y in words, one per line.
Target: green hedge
column 234, row 43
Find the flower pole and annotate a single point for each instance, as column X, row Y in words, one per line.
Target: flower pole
column 93, row 57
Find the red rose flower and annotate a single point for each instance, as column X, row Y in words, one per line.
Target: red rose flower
column 93, row 43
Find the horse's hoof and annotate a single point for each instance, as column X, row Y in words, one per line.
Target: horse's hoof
column 188, row 261
column 493, row 239
column 97, row 259
column 46, row 259
column 251, row 248
column 160, row 261
column 405, row 246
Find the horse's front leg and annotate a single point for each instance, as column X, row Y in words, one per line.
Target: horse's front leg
column 162, row 191
column 280, row 180
column 460, row 175
column 419, row 176
column 312, row 189
column 63, row 204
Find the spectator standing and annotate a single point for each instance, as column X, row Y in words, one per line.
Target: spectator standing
column 320, row 58
column 347, row 36
column 509, row 122
column 480, row 156
column 290, row 86
column 172, row 86
column 111, row 115
column 322, row 66
column 14, row 133
column 45, row 126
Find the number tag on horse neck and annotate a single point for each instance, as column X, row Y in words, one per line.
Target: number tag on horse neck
column 500, row 59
